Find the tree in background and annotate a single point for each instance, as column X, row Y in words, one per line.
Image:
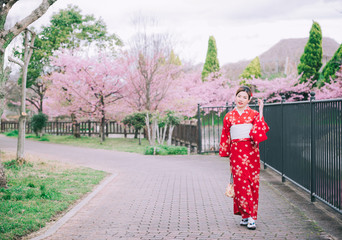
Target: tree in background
column 136, row 120
column 38, row 122
column 211, row 64
column 86, row 87
column 253, row 70
column 150, row 72
column 68, row 29
column 311, row 60
column 330, row 69
column 28, row 46
column 333, row 89
column 7, row 35
column 271, row 91
column 174, row 59
column 172, row 119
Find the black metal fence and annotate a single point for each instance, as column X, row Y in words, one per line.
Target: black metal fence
column 304, row 144
column 209, row 124
column 87, row 128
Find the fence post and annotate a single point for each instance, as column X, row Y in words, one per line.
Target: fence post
column 57, row 126
column 199, row 139
column 282, row 138
column 89, row 128
column 313, row 156
column 264, row 152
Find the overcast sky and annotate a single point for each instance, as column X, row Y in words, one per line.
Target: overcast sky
column 243, row 29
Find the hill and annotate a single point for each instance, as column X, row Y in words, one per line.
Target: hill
column 282, row 58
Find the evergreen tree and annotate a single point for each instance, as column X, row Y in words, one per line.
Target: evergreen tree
column 174, row 59
column 311, row 60
column 211, row 62
column 252, row 69
column 333, row 66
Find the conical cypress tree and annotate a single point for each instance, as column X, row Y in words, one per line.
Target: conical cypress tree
column 333, row 65
column 311, row 60
column 211, row 62
column 252, row 69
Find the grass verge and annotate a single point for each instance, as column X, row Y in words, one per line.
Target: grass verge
column 118, row 144
column 38, row 191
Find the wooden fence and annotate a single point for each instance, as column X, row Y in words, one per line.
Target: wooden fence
column 87, row 128
column 186, row 135
column 183, row 134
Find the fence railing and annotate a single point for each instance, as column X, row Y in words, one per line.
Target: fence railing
column 186, row 135
column 87, row 128
column 304, row 144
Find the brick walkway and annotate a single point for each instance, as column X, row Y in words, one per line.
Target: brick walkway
column 179, row 197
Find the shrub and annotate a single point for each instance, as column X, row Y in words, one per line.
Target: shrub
column 166, row 150
column 38, row 122
column 44, row 139
column 13, row 133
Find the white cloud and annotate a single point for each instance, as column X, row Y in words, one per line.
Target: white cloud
column 243, row 29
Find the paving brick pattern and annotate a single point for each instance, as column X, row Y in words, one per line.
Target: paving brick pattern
column 169, row 197
column 180, row 198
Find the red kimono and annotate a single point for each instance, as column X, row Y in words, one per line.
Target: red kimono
column 241, row 135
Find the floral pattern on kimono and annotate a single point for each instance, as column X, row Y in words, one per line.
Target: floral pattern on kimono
column 244, row 159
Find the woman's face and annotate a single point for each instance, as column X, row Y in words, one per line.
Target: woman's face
column 241, row 99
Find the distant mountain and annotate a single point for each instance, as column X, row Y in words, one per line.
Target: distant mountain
column 283, row 57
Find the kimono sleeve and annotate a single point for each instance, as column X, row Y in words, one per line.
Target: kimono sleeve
column 259, row 129
column 225, row 138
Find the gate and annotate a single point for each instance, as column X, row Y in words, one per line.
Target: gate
column 210, row 121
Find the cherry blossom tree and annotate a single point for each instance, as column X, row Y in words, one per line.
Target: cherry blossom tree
column 271, row 90
column 86, row 87
column 332, row 89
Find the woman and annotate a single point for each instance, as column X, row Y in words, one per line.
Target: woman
column 243, row 130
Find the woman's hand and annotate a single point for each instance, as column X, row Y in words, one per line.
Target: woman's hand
column 261, row 107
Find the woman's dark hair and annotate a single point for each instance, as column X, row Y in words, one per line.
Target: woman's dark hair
column 244, row 89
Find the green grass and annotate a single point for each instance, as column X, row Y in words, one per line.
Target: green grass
column 118, row 144
column 37, row 191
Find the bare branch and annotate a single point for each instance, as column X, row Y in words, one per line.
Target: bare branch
column 24, row 23
column 17, row 61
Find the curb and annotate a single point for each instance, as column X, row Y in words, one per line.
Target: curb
column 75, row 209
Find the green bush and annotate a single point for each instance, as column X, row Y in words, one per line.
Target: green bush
column 44, row 139
column 13, row 133
column 38, row 122
column 166, row 150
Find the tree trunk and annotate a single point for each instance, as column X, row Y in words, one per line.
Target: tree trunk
column 76, row 129
column 148, row 128
column 157, row 132
column 125, row 132
column 169, row 139
column 3, row 180
column 103, row 122
column 154, row 131
column 164, row 134
column 22, row 119
column 140, row 136
column 21, row 140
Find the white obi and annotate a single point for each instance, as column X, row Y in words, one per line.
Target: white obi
column 240, row 131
